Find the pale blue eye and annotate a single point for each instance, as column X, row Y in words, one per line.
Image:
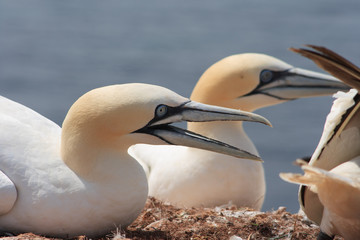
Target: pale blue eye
column 161, row 110
column 266, row 76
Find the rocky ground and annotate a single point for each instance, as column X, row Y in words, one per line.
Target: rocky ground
column 163, row 221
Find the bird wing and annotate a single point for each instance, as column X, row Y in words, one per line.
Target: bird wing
column 25, row 136
column 8, row 194
column 338, row 189
column 333, row 63
column 341, row 136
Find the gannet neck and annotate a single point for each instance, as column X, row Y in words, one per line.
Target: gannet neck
column 85, row 136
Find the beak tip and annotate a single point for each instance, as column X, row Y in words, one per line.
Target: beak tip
column 264, row 121
column 261, row 119
column 269, row 124
column 256, row 158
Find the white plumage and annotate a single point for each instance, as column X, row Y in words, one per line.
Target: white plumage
column 192, row 177
column 80, row 180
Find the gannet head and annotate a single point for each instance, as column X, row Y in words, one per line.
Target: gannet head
column 250, row 81
column 118, row 116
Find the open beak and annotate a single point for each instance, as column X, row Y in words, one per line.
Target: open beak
column 197, row 112
column 300, row 83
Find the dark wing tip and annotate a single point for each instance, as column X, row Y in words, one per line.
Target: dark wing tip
column 333, row 63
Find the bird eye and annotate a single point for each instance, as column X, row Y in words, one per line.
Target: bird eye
column 266, row 76
column 161, row 110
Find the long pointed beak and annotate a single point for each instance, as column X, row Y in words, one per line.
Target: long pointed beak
column 177, row 136
column 300, row 83
column 198, row 112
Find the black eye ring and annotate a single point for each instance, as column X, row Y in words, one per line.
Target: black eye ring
column 161, row 111
column 266, row 76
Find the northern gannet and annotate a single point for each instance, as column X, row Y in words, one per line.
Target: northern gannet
column 190, row 177
column 330, row 195
column 80, row 179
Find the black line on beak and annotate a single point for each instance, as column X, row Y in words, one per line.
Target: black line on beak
column 275, row 75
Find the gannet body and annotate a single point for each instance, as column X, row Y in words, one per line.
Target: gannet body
column 330, row 195
column 191, row 177
column 80, row 180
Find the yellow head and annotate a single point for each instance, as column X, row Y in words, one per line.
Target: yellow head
column 250, row 81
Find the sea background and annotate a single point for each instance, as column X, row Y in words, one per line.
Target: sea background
column 51, row 52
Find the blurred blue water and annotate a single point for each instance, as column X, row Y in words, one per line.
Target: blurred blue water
column 51, row 52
